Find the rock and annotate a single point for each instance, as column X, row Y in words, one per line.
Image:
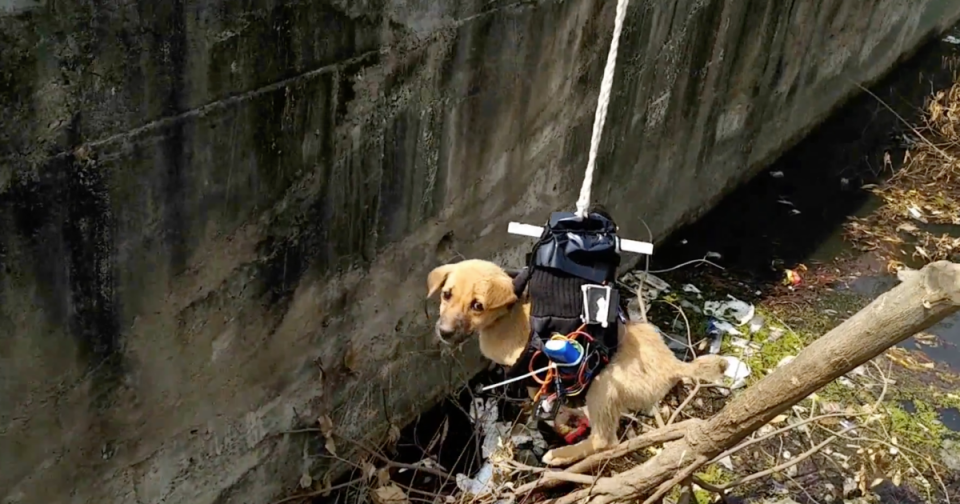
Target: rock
column 950, row 454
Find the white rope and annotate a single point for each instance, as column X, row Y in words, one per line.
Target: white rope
column 583, row 203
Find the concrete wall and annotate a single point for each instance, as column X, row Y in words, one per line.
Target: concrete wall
column 217, row 215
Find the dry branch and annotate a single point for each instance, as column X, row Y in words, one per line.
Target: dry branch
column 923, row 298
column 659, row 436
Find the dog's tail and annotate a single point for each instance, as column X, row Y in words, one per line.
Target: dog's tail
column 706, row 368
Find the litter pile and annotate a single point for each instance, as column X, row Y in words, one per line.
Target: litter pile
column 919, row 218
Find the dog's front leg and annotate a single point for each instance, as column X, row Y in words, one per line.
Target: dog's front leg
column 603, row 414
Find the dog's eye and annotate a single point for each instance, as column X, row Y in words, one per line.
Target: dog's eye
column 476, row 306
column 447, row 295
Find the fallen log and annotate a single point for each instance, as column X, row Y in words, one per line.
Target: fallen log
column 922, row 299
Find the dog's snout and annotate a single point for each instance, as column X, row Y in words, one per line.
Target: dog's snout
column 449, row 333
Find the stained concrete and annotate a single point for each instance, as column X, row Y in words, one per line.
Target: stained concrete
column 217, row 215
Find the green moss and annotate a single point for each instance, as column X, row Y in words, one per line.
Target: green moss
column 920, row 429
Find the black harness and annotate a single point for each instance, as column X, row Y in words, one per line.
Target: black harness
column 571, row 279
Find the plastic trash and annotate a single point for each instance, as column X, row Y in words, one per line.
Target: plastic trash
column 732, row 309
column 715, row 326
column 747, row 347
column 716, row 329
column 687, row 305
column 737, row 370
column 479, row 484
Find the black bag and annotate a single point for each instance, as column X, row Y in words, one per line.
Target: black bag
column 587, row 248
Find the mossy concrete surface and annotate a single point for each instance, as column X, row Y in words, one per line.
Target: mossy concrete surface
column 216, row 216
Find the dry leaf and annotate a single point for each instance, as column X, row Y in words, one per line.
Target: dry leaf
column 897, row 478
column 306, row 481
column 778, row 419
column 390, row 494
column 383, row 477
column 862, row 479
column 326, row 428
column 327, row 485
column 326, row 425
column 351, row 359
column 393, row 435
column 876, row 482
column 369, row 470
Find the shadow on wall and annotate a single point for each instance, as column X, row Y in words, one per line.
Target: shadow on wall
column 795, row 209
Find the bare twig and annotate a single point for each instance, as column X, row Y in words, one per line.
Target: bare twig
column 906, row 123
column 658, row 436
column 786, row 465
column 779, row 431
column 318, row 493
column 690, row 396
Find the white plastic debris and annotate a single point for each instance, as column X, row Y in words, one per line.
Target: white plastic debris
column 692, row 289
column 496, row 435
column 732, row 309
column 748, row 347
column 725, row 327
column 479, row 484
column 775, row 334
column 687, row 305
column 726, row 462
column 713, row 255
column 950, row 39
column 737, row 371
column 776, row 174
column 654, row 285
column 857, row 371
column 756, row 323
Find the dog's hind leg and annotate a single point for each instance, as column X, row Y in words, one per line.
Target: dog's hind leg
column 603, row 411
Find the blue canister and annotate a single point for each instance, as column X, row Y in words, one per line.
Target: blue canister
column 563, row 352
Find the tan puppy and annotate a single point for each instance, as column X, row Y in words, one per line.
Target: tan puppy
column 477, row 296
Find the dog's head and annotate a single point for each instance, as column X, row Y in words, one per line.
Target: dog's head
column 473, row 294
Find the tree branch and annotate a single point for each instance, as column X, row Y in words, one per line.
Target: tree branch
column 924, row 298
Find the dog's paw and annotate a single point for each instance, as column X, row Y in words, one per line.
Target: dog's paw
column 553, row 459
column 547, row 458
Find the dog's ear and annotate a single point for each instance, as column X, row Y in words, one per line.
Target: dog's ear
column 498, row 292
column 437, row 278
